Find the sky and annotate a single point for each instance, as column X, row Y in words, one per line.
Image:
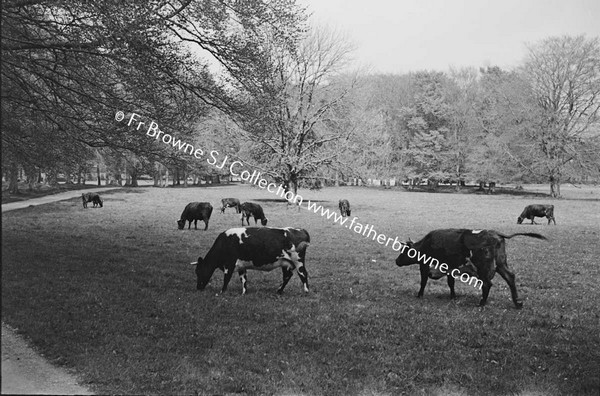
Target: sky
column 409, row 35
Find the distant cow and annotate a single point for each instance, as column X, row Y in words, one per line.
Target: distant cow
column 344, row 207
column 93, row 198
column 257, row 248
column 230, row 203
column 255, row 210
column 195, row 211
column 533, row 211
column 476, row 252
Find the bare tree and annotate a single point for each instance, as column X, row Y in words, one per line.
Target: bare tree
column 290, row 118
column 564, row 73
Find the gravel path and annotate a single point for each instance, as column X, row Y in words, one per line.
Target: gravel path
column 24, row 371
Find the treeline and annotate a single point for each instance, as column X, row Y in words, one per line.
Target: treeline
column 255, row 81
column 536, row 123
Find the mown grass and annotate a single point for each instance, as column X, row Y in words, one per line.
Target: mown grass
column 110, row 293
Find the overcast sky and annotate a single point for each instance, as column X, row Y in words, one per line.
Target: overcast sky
column 409, row 35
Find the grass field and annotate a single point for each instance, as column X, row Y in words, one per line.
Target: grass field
column 110, row 292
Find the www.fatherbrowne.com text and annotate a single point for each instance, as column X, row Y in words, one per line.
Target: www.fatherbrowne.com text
column 236, row 168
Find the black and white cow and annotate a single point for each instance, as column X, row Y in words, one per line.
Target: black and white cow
column 249, row 209
column 533, row 211
column 257, row 248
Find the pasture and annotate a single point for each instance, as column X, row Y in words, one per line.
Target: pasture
column 110, row 292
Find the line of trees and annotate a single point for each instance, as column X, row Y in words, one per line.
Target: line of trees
column 254, row 80
column 536, row 123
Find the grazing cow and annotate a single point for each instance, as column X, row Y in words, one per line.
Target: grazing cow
column 476, row 252
column 251, row 209
column 93, row 198
column 344, row 207
column 230, row 203
column 195, row 211
column 257, row 248
column 533, row 211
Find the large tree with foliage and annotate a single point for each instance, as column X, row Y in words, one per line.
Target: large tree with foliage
column 69, row 65
column 295, row 112
column 564, row 76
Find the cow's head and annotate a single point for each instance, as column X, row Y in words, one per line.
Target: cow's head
column 403, row 259
column 180, row 224
column 204, row 272
column 101, row 202
column 263, row 221
column 519, row 220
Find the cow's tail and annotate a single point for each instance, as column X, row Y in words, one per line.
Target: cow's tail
column 529, row 234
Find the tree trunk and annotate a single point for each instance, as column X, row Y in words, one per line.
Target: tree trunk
column 51, row 177
column 134, row 176
column 13, row 178
column 554, row 187
column 166, row 177
column 185, row 176
column 98, row 174
column 176, row 180
column 157, row 175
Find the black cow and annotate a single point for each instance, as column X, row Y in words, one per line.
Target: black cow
column 94, row 198
column 344, row 207
column 195, row 211
column 230, row 203
column 479, row 253
column 533, row 211
column 258, row 248
column 255, row 210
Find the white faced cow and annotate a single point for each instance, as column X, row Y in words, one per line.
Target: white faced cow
column 257, row 248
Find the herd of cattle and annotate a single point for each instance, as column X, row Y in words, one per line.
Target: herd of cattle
column 478, row 253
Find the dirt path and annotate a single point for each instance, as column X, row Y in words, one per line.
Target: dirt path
column 24, row 371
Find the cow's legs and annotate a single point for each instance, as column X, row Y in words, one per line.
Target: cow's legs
column 244, row 280
column 287, row 275
column 509, row 277
column 189, row 224
column 205, row 225
column 303, row 274
column 196, row 224
column 487, row 285
column 226, row 279
column 451, row 286
column 424, row 276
